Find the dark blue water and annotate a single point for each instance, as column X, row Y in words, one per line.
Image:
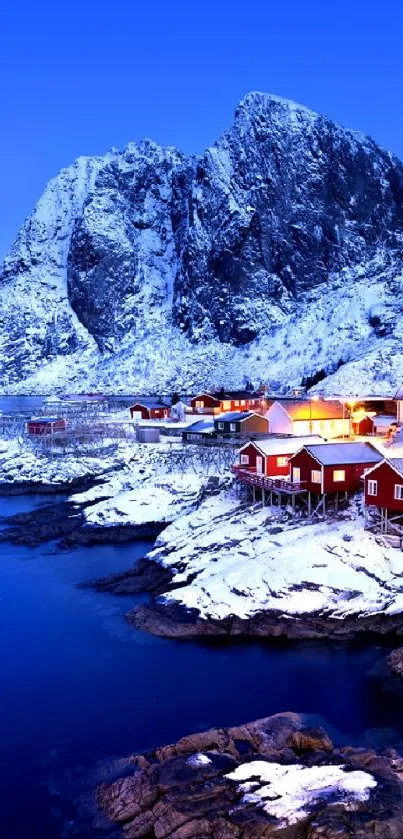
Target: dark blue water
column 79, row 685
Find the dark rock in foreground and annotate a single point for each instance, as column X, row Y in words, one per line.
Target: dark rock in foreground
column 173, row 620
column 188, row 790
column 395, row 662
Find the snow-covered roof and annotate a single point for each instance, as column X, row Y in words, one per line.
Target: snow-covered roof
column 235, row 416
column 399, row 393
column 384, row 420
column 332, row 454
column 202, row 426
column 284, row 445
column 312, row 409
column 45, row 419
column 149, row 403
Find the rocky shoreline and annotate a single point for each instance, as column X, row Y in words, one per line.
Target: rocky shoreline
column 277, row 777
column 66, row 524
column 172, row 620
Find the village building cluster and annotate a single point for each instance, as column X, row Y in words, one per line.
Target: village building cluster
column 296, row 452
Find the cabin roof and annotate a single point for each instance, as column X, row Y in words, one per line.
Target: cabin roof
column 384, row 419
column 284, row 445
column 201, row 427
column 45, row 419
column 235, row 416
column 311, row 409
column 333, row 454
column 399, row 393
column 149, row 403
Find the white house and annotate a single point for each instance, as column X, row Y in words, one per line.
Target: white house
column 327, row 417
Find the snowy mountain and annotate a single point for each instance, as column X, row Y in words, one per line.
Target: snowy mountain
column 275, row 255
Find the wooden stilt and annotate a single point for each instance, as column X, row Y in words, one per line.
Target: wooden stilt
column 254, row 494
column 336, row 502
column 309, row 503
column 324, row 505
column 279, row 505
column 264, row 497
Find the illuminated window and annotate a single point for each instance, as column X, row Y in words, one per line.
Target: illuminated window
column 200, row 404
column 243, row 402
column 332, row 425
column 322, row 425
column 316, row 476
column 339, row 475
column 282, row 461
column 226, row 406
column 372, row 487
column 245, row 459
column 232, row 426
column 398, row 494
column 221, row 426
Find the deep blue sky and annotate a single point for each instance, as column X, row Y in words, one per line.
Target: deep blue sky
column 81, row 77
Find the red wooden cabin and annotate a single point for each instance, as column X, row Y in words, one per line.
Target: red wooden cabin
column 271, row 457
column 227, row 401
column 333, row 467
column 154, row 410
column 45, row 425
column 384, row 485
column 362, row 426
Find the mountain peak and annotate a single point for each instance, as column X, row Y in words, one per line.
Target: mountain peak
column 160, row 270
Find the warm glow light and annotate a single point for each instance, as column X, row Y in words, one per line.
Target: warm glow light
column 315, row 398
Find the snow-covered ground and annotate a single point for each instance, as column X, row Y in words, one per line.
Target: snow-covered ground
column 289, row 793
column 239, row 564
column 137, row 498
column 23, row 462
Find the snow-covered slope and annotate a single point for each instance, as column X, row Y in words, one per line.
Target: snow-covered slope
column 275, row 254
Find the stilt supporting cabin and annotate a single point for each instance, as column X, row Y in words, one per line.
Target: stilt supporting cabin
column 279, row 489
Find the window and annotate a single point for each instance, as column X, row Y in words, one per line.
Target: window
column 282, row 461
column 332, row 425
column 243, row 402
column 372, row 487
column 232, row 426
column 226, row 406
column 296, row 474
column 199, row 403
column 221, row 426
column 398, row 494
column 245, row 459
column 339, row 475
column 322, row 425
column 316, row 476
column 236, row 403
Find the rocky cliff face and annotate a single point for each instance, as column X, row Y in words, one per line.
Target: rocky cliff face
column 137, row 268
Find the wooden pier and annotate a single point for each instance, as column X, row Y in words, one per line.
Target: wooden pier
column 273, row 487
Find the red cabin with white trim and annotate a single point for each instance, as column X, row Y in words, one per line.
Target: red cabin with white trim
column 333, row 467
column 223, row 402
column 45, row 425
column 384, row 485
column 150, row 411
column 271, row 457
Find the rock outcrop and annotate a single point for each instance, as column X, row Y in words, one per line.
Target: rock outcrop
column 273, row 778
column 138, row 267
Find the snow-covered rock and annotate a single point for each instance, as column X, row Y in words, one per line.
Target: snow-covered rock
column 275, row 254
column 234, row 565
column 288, row 792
